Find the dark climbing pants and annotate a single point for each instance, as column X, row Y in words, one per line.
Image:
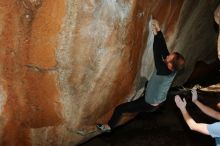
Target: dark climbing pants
column 138, row 105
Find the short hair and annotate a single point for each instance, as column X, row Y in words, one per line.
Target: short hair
column 178, row 62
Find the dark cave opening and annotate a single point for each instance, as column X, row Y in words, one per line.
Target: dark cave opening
column 204, row 74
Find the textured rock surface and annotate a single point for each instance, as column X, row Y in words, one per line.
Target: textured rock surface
column 64, row 65
column 217, row 20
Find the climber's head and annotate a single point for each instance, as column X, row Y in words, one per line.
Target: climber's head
column 175, row 61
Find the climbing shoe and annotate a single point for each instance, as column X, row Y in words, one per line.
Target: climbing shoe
column 103, row 128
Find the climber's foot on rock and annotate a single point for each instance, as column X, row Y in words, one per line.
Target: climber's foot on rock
column 104, row 127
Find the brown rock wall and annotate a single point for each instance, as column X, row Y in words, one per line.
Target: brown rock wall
column 29, row 81
column 64, row 65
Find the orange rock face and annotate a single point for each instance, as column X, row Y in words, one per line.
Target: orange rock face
column 65, row 65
